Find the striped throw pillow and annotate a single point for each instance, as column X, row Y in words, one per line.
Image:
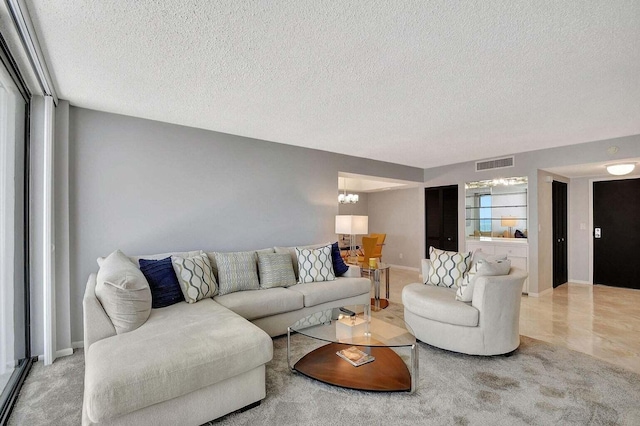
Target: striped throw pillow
column 275, row 270
column 237, row 271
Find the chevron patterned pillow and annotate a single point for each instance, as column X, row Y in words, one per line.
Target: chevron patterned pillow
column 195, row 276
column 315, row 265
column 448, row 268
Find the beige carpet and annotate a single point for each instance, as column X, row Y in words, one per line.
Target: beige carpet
column 541, row 384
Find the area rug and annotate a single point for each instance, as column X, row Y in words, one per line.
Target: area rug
column 540, row 384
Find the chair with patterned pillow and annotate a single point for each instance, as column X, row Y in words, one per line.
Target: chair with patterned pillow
column 483, row 322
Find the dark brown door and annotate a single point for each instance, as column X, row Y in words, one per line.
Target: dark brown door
column 616, row 222
column 559, row 218
column 441, row 217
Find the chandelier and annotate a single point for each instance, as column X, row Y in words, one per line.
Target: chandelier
column 348, row 198
column 345, row 198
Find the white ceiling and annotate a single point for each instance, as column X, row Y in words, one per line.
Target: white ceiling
column 415, row 82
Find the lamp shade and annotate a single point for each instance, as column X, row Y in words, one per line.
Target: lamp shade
column 352, row 225
column 508, row 222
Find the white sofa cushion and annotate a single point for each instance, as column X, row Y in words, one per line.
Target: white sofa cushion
column 123, row 292
column 315, row 265
column 439, row 304
column 195, row 277
column 180, row 349
column 255, row 304
column 328, row 291
column 447, row 267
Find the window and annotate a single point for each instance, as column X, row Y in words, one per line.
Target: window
column 14, row 295
column 485, row 213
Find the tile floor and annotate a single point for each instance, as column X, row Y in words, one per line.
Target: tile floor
column 601, row 321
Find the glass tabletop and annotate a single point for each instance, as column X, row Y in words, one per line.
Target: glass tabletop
column 355, row 325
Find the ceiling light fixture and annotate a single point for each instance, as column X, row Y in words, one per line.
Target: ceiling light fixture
column 621, row 169
column 347, row 198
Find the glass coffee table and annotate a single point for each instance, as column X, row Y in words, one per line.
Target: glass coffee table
column 380, row 335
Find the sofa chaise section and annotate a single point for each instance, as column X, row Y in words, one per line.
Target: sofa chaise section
column 183, row 354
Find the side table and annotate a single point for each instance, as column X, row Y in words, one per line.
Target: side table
column 377, row 303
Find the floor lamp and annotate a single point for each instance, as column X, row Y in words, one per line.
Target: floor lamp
column 352, row 225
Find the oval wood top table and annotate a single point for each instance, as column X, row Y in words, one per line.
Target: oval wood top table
column 380, row 335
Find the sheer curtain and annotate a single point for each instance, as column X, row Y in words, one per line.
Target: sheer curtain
column 12, row 304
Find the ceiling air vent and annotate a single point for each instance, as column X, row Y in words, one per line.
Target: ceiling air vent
column 496, row 163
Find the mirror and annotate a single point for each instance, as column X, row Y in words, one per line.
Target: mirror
column 496, row 208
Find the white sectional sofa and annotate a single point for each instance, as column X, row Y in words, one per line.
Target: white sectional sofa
column 192, row 363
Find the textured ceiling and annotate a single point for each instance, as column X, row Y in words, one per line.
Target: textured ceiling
column 421, row 83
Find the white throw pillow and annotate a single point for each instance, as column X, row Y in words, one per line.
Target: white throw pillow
column 479, row 255
column 123, row 292
column 447, row 267
column 482, row 268
column 315, row 265
column 195, row 277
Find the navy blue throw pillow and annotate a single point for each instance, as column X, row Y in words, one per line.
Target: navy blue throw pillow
column 339, row 267
column 165, row 289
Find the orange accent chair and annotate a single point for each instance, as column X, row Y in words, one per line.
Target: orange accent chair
column 380, row 243
column 368, row 248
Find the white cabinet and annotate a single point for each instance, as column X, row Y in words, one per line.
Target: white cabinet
column 517, row 250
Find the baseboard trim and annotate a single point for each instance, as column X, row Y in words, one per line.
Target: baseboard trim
column 58, row 354
column 406, row 268
column 77, row 345
column 64, row 352
column 579, row 282
column 542, row 293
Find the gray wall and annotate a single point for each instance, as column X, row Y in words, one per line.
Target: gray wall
column 151, row 187
column 399, row 214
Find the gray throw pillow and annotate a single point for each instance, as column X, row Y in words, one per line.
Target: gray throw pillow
column 237, row 271
column 275, row 270
column 123, row 292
